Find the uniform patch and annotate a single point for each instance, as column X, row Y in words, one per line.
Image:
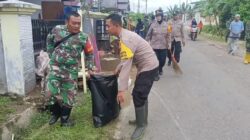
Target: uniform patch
column 126, row 52
column 89, row 48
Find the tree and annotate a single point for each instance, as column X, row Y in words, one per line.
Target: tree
column 190, row 12
column 135, row 16
column 225, row 9
column 172, row 10
column 185, row 9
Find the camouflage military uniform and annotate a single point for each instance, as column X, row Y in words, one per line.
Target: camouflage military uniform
column 64, row 64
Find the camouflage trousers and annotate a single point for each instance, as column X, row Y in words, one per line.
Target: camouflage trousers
column 61, row 86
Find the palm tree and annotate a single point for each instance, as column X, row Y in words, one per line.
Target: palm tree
column 190, row 12
column 172, row 10
column 185, row 9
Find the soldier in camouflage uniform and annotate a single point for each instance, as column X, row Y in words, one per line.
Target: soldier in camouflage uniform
column 64, row 65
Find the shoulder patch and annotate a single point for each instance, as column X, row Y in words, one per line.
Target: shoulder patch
column 126, row 52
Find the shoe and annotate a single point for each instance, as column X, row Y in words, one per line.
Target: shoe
column 146, row 112
column 53, row 119
column 65, row 121
column 230, row 51
column 56, row 112
column 140, row 113
column 161, row 73
column 245, row 62
column 247, row 58
column 157, row 78
column 133, row 122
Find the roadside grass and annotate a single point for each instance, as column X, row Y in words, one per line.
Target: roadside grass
column 83, row 129
column 213, row 37
column 221, row 39
column 5, row 108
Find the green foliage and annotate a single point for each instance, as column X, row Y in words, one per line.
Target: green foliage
column 214, row 30
column 4, row 101
column 224, row 9
column 5, row 108
column 190, row 12
column 135, row 16
column 244, row 10
column 172, row 10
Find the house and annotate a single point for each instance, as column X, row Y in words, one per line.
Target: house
column 207, row 20
column 38, row 14
column 54, row 9
column 121, row 6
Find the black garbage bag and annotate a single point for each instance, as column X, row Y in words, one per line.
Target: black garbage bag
column 104, row 90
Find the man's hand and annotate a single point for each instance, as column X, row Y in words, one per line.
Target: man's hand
column 169, row 47
column 91, row 72
column 117, row 71
column 120, row 97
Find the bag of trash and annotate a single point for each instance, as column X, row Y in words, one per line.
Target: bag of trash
column 42, row 62
column 104, row 89
column 42, row 69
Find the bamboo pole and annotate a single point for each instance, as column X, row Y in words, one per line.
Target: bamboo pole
column 83, row 73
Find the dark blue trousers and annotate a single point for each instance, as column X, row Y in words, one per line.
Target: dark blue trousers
column 161, row 55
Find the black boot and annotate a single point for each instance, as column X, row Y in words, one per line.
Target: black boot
column 157, row 77
column 140, row 123
column 65, row 121
column 55, row 113
column 133, row 122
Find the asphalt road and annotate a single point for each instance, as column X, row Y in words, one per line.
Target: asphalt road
column 210, row 101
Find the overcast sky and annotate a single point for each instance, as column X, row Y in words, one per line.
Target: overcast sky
column 155, row 4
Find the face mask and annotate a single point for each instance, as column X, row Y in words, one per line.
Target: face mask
column 158, row 18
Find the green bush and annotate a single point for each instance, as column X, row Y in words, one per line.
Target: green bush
column 214, row 30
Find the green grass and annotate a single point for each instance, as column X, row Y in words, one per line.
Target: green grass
column 83, row 129
column 213, row 37
column 5, row 108
column 220, row 39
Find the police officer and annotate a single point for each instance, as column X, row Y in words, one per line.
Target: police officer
column 134, row 49
column 159, row 39
column 177, row 38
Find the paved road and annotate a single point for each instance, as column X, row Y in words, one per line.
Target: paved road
column 210, row 101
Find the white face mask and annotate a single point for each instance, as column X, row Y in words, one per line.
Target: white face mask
column 158, row 18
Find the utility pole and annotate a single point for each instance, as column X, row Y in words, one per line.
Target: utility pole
column 99, row 5
column 146, row 6
column 138, row 8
